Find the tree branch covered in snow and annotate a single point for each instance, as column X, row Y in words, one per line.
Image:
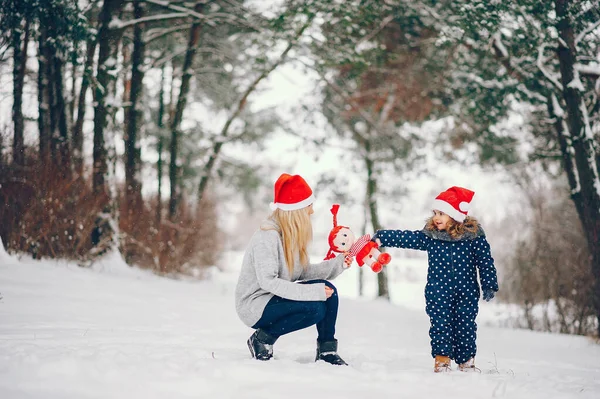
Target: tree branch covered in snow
column 540, row 64
column 149, row 18
column 187, row 11
column 586, row 31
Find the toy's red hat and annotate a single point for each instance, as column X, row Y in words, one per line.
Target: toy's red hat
column 291, row 192
column 334, row 210
column 454, row 202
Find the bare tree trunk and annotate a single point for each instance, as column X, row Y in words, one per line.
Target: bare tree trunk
column 587, row 192
column 19, row 64
column 71, row 104
column 52, row 73
column 107, row 37
column 186, row 77
column 126, row 61
column 44, row 98
column 529, row 319
column 132, row 153
column 54, row 136
column 77, row 136
column 159, row 164
column 59, row 114
column 361, row 270
column 382, row 278
column 159, row 172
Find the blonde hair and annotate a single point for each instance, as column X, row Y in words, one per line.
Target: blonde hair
column 295, row 229
column 456, row 229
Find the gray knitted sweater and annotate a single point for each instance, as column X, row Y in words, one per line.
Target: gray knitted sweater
column 265, row 274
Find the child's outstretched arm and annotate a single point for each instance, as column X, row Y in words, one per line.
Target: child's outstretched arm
column 485, row 263
column 402, row 239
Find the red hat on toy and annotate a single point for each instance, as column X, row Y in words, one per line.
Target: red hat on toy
column 334, row 232
column 454, row 202
column 291, row 192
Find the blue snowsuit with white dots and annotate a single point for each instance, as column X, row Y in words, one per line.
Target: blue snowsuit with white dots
column 452, row 291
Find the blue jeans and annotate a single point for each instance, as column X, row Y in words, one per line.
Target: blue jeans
column 283, row 316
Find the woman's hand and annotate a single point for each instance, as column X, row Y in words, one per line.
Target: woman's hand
column 328, row 292
column 348, row 259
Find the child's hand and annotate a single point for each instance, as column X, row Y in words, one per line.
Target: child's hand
column 375, row 238
column 328, row 292
column 488, row 295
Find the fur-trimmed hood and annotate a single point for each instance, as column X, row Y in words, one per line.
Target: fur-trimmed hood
column 444, row 236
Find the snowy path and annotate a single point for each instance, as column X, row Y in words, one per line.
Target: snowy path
column 115, row 332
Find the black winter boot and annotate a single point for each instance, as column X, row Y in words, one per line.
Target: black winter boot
column 261, row 345
column 327, row 351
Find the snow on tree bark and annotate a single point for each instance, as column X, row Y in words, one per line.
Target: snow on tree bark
column 104, row 95
column 582, row 142
column 104, row 76
column 77, row 136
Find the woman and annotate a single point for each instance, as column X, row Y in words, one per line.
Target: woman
column 278, row 290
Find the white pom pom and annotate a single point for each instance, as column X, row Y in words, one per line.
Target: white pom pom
column 464, row 206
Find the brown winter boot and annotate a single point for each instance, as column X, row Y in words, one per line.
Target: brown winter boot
column 442, row 364
column 469, row 366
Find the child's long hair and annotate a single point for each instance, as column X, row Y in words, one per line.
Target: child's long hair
column 456, row 229
column 296, row 233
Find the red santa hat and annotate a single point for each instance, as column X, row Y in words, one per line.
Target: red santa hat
column 454, row 202
column 291, row 192
column 333, row 233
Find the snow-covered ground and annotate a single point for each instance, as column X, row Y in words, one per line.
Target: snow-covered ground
column 117, row 332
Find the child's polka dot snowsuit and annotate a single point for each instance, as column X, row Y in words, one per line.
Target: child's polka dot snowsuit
column 452, row 292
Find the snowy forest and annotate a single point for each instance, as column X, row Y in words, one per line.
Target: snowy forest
column 135, row 125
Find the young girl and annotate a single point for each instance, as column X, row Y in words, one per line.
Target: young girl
column 278, row 291
column 456, row 248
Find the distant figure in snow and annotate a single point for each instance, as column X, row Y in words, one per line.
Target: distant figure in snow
column 278, row 291
column 456, row 248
